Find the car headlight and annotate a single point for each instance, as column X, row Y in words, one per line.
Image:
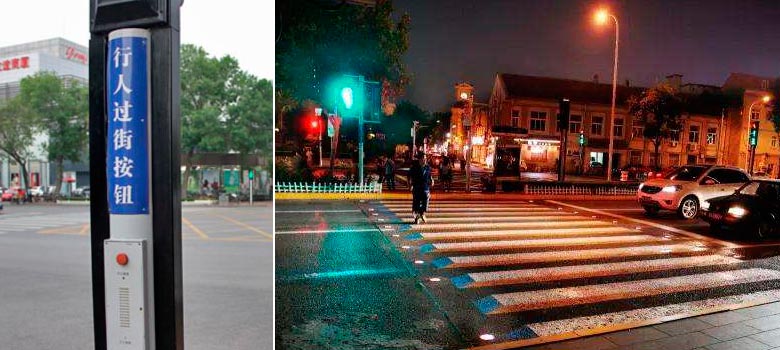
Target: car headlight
column 671, row 189
column 737, row 211
column 705, row 205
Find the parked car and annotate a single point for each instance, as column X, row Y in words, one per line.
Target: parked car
column 753, row 209
column 8, row 195
column 37, row 191
column 683, row 189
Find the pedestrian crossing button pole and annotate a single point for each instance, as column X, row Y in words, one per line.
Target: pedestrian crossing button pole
column 134, row 130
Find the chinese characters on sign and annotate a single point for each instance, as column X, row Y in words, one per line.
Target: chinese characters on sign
column 128, row 125
column 15, row 63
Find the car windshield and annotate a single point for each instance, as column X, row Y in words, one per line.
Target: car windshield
column 759, row 188
column 686, row 173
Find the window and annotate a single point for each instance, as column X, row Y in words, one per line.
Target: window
column 693, row 134
column 618, row 128
column 774, row 141
column 674, row 159
column 538, row 121
column 727, row 176
column 636, row 158
column 637, row 129
column 558, row 122
column 765, row 84
column 712, row 135
column 575, row 123
column 515, row 118
column 596, row 125
column 755, row 114
column 674, row 135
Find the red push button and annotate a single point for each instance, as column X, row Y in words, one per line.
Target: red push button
column 122, row 259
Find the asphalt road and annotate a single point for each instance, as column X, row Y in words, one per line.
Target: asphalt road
column 45, row 277
column 500, row 272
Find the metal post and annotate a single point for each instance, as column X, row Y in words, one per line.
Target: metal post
column 612, row 110
column 467, row 159
column 251, row 200
column 360, row 147
column 319, row 139
column 414, row 139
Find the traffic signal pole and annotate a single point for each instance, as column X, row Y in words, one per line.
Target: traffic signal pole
column 360, row 147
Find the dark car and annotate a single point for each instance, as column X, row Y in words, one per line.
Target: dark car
column 753, row 209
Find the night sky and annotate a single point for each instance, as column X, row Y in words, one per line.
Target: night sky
column 461, row 40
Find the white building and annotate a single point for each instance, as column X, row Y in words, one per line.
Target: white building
column 62, row 57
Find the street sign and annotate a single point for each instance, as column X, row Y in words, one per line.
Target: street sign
column 128, row 122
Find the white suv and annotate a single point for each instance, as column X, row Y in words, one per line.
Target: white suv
column 685, row 188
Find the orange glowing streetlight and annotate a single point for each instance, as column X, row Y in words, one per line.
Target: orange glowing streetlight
column 601, row 17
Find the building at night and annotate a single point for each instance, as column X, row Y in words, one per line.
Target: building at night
column 65, row 59
column 524, row 112
column 470, row 127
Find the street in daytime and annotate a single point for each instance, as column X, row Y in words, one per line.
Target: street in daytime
column 136, row 176
column 534, row 174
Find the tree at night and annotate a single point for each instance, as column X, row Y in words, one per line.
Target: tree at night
column 659, row 110
column 319, row 41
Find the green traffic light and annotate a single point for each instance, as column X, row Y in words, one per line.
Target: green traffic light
column 346, row 96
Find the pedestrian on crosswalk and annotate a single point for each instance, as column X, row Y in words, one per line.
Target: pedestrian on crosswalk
column 421, row 181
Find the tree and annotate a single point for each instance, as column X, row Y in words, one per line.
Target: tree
column 775, row 105
column 207, row 89
column 16, row 135
column 250, row 118
column 658, row 109
column 61, row 110
column 318, row 42
column 398, row 126
column 223, row 108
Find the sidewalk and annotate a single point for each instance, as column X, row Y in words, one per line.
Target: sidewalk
column 755, row 327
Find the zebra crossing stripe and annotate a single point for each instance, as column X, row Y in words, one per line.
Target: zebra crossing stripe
column 472, row 210
column 548, row 274
column 534, row 300
column 468, row 216
column 557, row 330
column 578, row 221
column 558, row 256
column 546, row 232
column 536, row 243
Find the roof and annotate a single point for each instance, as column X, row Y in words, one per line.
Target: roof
column 577, row 91
column 745, row 81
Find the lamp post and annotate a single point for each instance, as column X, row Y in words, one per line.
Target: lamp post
column 602, row 17
column 752, row 148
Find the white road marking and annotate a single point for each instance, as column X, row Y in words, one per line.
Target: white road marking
column 547, row 274
column 563, row 255
column 326, row 231
column 650, row 223
column 544, row 242
column 523, row 301
column 551, row 232
column 318, row 211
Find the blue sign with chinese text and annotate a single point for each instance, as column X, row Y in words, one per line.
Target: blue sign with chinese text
column 127, row 90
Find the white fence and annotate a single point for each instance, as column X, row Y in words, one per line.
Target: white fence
column 303, row 187
column 575, row 189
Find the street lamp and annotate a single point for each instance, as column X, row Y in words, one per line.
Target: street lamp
column 602, row 17
column 751, row 145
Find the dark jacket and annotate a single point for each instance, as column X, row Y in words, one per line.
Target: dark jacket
column 420, row 177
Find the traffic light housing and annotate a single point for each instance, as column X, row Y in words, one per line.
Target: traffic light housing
column 564, row 107
column 348, row 94
column 581, row 139
column 753, row 135
column 251, row 174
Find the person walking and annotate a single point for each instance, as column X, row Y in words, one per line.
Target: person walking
column 445, row 173
column 390, row 173
column 421, row 182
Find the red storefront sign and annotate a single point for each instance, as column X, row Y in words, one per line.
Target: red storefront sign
column 73, row 54
column 15, row 63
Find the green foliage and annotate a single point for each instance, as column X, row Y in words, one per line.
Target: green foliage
column 59, row 106
column 659, row 110
column 319, row 41
column 16, row 132
column 398, row 126
column 223, row 108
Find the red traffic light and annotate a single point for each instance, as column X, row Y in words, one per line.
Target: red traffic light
column 315, row 124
